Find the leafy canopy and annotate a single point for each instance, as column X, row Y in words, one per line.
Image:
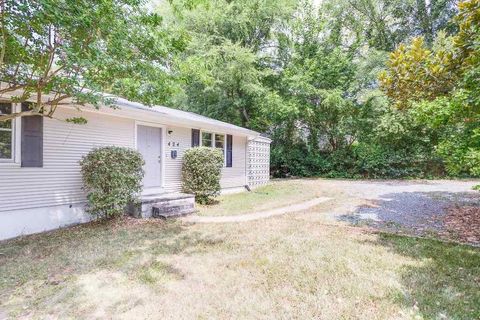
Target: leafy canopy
column 57, row 52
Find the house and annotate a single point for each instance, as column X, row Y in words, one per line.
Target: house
column 40, row 180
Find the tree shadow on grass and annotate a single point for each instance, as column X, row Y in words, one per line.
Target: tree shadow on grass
column 52, row 263
column 444, row 281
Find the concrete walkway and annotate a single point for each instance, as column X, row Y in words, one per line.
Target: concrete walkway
column 257, row 215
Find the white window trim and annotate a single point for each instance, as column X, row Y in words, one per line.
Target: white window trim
column 16, row 136
column 213, row 143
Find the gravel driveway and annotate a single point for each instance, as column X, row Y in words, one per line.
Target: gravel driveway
column 418, row 207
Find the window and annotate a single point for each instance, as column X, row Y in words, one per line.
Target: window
column 215, row 140
column 6, row 133
column 206, row 139
column 220, row 142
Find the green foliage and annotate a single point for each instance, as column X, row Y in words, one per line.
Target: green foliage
column 57, row 51
column 223, row 70
column 305, row 72
column 386, row 24
column 112, row 178
column 360, row 161
column 308, row 75
column 468, row 43
column 439, row 89
column 416, row 73
column 201, row 173
column 224, row 82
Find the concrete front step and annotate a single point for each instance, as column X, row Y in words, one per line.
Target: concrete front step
column 164, row 205
column 175, row 214
column 161, row 208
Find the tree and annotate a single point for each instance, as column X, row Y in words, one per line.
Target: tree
column 468, row 43
column 386, row 24
column 415, row 73
column 438, row 90
column 224, row 69
column 224, row 82
column 56, row 52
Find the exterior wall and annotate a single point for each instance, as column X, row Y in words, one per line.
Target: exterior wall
column 173, row 167
column 59, row 182
column 232, row 177
column 27, row 221
column 235, row 176
column 258, row 168
column 40, row 199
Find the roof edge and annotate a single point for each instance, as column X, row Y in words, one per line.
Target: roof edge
column 182, row 115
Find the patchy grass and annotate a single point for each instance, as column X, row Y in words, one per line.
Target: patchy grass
column 276, row 194
column 445, row 281
column 287, row 267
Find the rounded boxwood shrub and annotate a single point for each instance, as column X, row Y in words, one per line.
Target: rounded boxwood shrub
column 201, row 172
column 112, row 178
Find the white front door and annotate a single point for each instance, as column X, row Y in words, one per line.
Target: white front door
column 149, row 144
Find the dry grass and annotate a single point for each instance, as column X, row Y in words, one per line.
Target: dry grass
column 277, row 194
column 288, row 267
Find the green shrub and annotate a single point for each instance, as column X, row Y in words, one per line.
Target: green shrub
column 361, row 160
column 201, row 172
column 112, row 178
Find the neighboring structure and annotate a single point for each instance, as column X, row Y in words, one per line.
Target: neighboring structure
column 40, row 180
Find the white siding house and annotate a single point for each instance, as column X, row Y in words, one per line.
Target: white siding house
column 49, row 194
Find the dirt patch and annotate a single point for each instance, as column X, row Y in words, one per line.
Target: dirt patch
column 463, row 223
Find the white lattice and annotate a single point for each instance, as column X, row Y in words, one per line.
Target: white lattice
column 258, row 162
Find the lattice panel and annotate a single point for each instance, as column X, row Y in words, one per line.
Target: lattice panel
column 258, row 162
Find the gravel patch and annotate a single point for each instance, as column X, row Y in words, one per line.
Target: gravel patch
column 418, row 208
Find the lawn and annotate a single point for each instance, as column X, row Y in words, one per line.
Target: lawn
column 274, row 195
column 298, row 266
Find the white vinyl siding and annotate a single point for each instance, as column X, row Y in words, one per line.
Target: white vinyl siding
column 231, row 177
column 173, row 167
column 235, row 176
column 59, row 181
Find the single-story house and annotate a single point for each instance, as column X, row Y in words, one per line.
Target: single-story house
column 40, row 180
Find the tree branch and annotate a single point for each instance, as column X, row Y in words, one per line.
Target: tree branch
column 12, row 88
column 10, row 116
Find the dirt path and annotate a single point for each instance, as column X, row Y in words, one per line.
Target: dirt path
column 258, row 215
column 417, row 207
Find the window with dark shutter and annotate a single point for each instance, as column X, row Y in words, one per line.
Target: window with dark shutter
column 195, row 137
column 32, row 139
column 229, row 150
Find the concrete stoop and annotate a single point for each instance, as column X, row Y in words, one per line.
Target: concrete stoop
column 164, row 205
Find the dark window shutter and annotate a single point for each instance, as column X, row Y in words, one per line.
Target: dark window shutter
column 32, row 140
column 195, row 137
column 229, row 150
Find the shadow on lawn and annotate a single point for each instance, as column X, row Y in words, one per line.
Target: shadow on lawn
column 53, row 263
column 444, row 281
